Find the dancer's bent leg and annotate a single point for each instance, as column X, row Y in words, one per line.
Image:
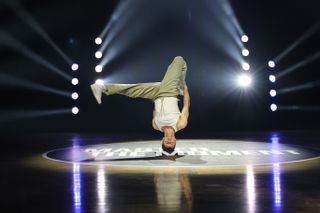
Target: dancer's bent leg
column 174, row 78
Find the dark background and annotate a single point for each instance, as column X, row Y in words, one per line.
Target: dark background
column 152, row 36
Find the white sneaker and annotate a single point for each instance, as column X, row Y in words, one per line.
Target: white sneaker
column 97, row 91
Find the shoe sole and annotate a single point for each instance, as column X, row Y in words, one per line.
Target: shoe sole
column 94, row 91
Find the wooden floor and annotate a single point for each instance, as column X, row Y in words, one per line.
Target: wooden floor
column 30, row 183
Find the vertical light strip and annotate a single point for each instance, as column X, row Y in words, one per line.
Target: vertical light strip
column 251, row 191
column 276, row 175
column 101, row 190
column 276, row 187
column 76, row 174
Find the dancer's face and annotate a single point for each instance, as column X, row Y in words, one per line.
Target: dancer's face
column 169, row 140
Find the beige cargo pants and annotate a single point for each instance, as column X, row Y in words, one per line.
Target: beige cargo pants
column 171, row 85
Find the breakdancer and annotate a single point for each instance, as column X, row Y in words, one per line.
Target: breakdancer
column 167, row 117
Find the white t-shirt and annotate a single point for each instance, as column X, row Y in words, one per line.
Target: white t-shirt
column 167, row 112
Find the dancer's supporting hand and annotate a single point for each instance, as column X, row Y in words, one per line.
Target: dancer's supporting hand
column 183, row 121
column 186, row 98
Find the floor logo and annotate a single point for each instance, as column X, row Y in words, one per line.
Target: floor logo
column 190, row 153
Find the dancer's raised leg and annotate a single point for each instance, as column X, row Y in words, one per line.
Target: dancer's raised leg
column 141, row 90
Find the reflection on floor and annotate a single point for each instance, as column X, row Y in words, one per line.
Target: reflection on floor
column 31, row 183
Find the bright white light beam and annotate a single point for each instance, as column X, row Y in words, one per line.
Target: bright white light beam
column 244, row 80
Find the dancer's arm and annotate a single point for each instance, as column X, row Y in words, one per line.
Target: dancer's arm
column 183, row 121
column 153, row 123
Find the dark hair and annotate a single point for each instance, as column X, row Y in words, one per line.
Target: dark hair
column 168, row 149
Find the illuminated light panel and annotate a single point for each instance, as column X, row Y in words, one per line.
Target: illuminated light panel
column 245, row 66
column 75, row 67
column 273, row 93
column 273, row 107
column 98, row 41
column 245, row 52
column 272, row 78
column 75, row 96
column 98, row 54
column 99, row 81
column 244, row 80
column 75, row 81
column 98, row 68
column 244, row 38
column 75, row 110
column 271, row 64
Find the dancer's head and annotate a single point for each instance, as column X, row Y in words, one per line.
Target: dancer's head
column 168, row 140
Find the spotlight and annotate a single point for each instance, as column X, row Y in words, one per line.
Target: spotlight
column 98, row 68
column 99, row 81
column 75, row 67
column 98, row 40
column 244, row 80
column 271, row 64
column 75, row 96
column 74, row 81
column 245, row 52
column 244, row 38
column 98, row 54
column 245, row 66
column 75, row 110
column 273, row 93
column 273, row 107
column 272, row 78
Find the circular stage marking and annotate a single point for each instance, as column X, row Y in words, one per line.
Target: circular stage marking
column 190, row 153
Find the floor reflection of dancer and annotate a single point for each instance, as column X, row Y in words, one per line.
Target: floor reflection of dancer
column 174, row 192
column 167, row 117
